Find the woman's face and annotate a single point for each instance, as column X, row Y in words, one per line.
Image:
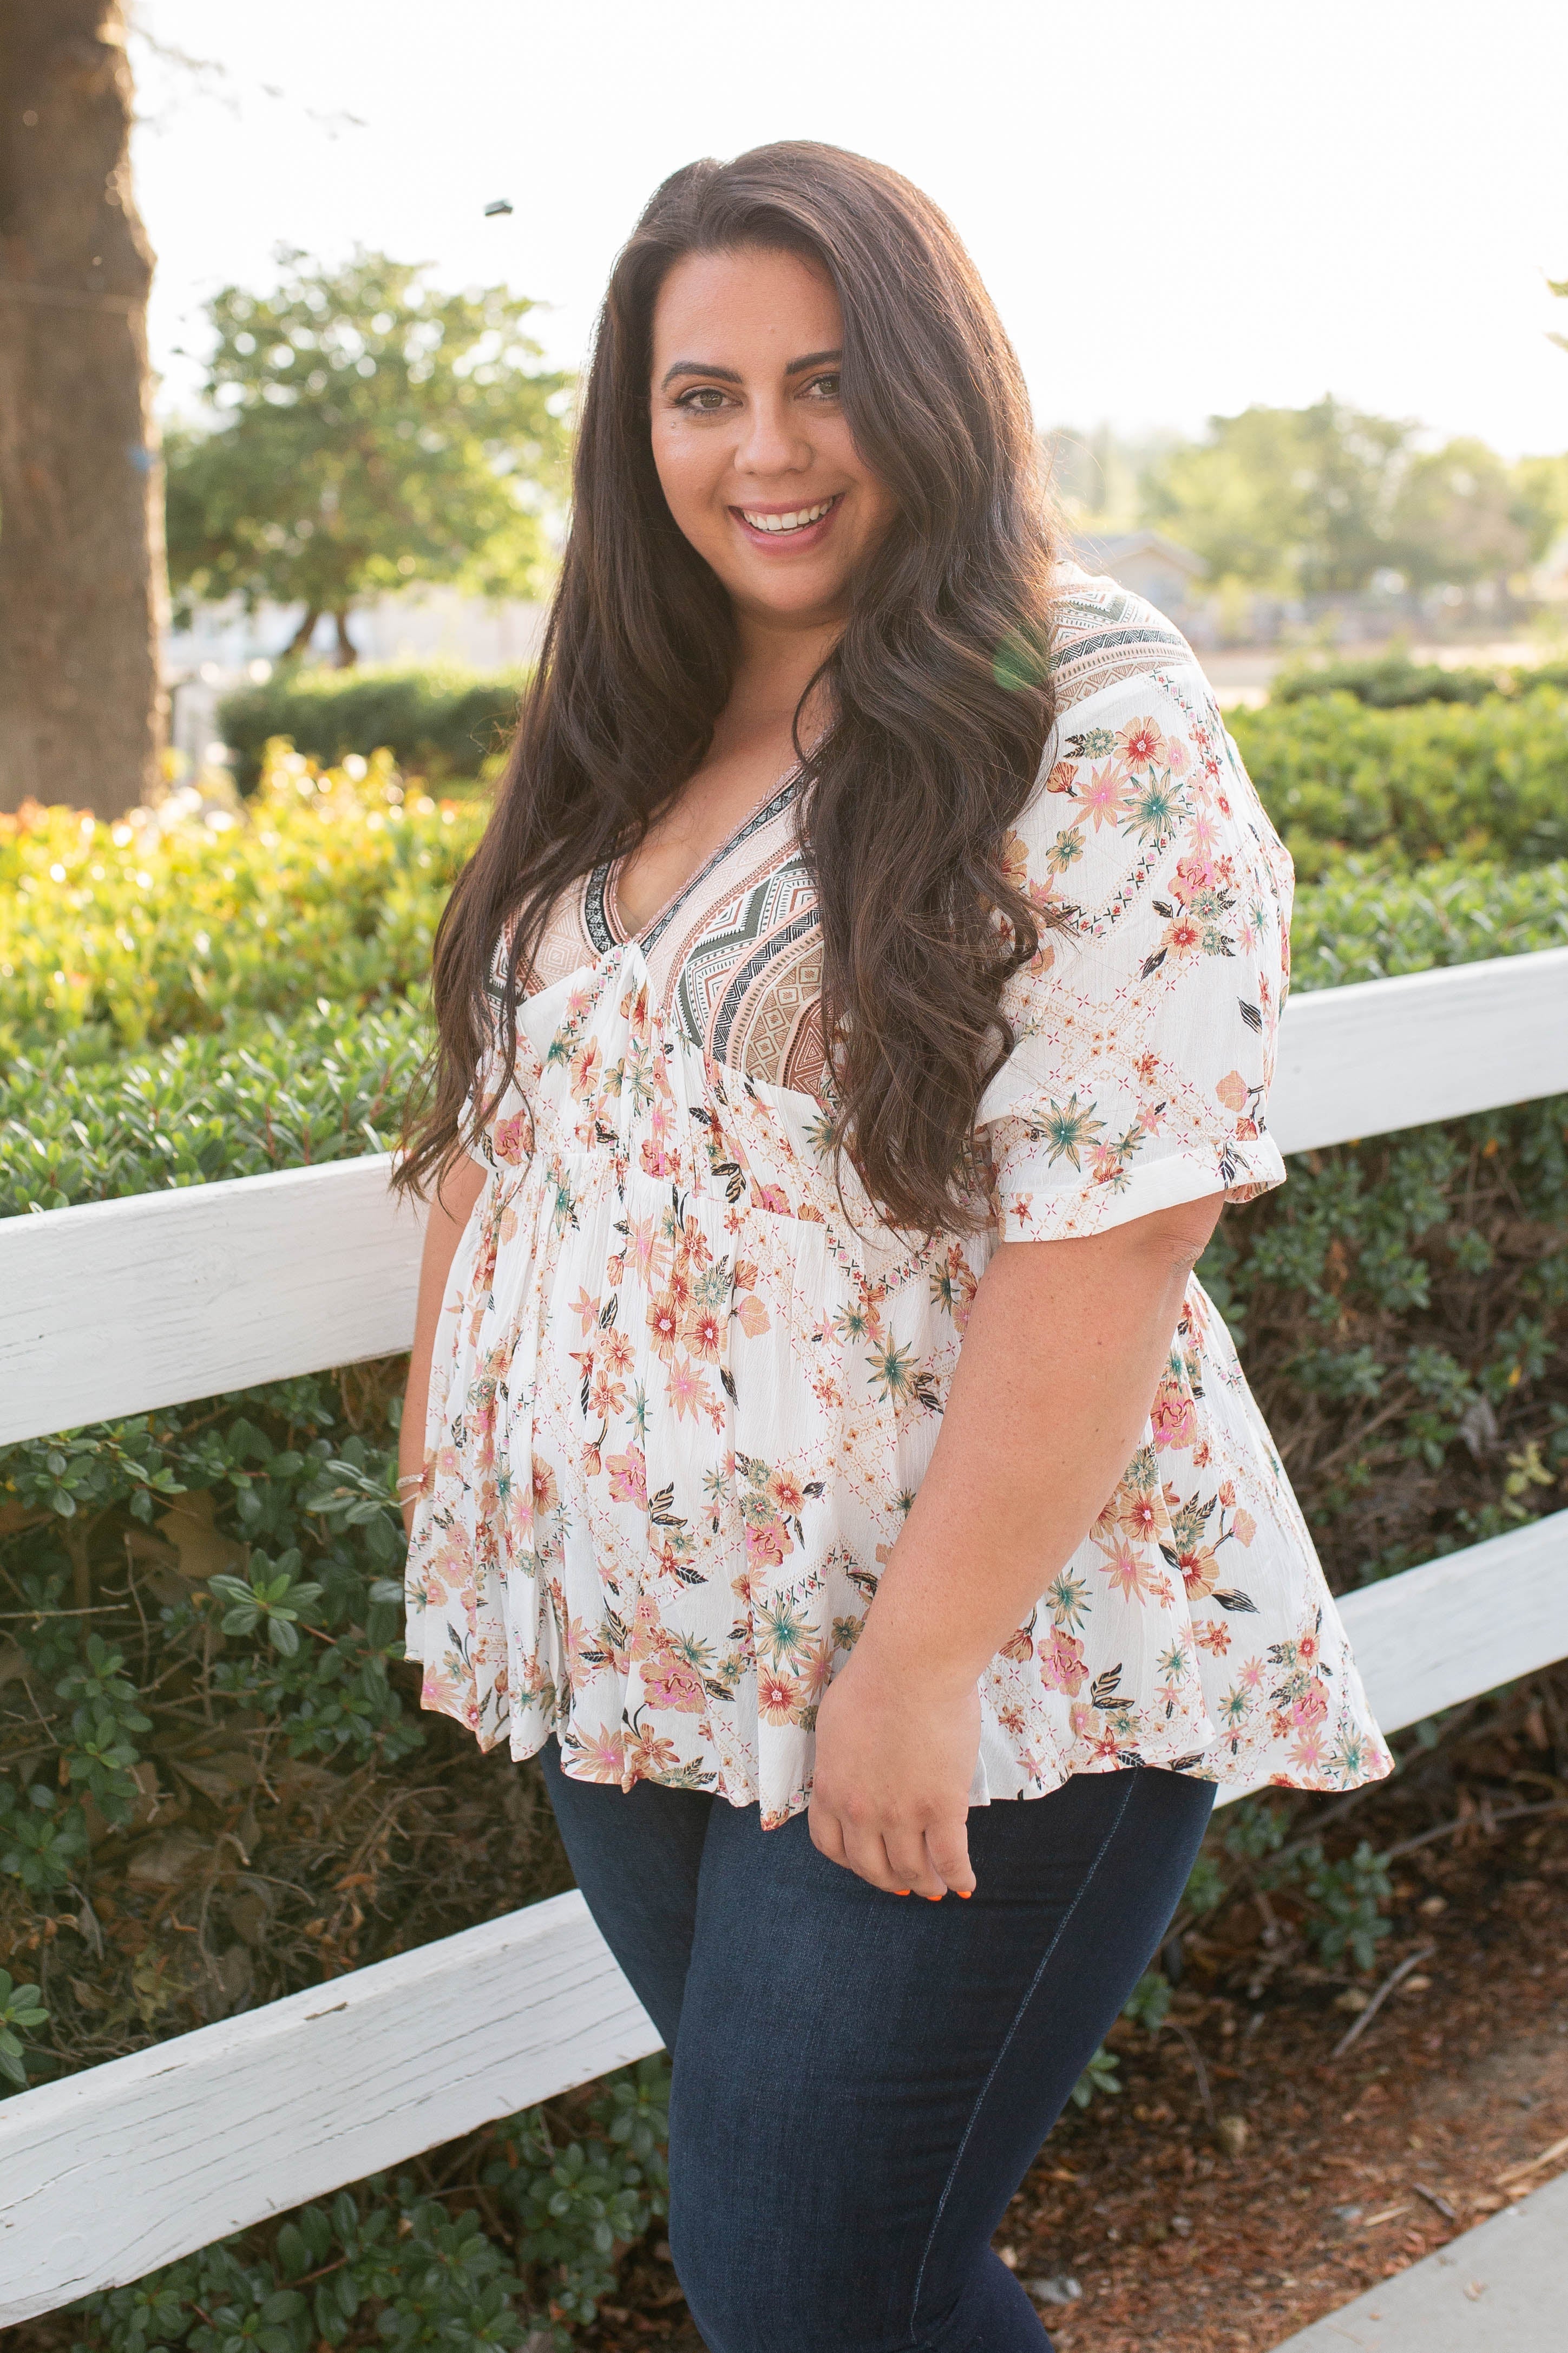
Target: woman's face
column 750, row 437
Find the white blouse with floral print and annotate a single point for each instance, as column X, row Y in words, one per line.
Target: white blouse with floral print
column 681, row 1401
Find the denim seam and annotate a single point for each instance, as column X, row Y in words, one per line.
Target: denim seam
column 1017, row 2019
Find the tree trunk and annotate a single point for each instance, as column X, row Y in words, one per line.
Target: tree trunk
column 82, row 581
column 348, row 652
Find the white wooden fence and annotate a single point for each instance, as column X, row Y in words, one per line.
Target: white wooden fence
column 128, row 1305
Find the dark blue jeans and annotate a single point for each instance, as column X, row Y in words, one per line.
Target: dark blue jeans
column 861, row 2080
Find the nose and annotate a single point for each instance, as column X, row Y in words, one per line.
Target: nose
column 772, row 440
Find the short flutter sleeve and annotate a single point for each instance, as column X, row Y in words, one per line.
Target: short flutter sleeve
column 1145, row 1027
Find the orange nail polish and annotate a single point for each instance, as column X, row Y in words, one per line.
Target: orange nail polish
column 964, row 1893
column 933, row 1899
column 901, row 1891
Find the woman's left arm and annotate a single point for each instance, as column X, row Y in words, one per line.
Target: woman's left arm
column 1063, row 1353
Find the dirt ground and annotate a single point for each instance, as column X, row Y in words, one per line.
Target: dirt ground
column 1247, row 2179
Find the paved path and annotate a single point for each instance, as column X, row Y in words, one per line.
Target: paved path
column 1499, row 2288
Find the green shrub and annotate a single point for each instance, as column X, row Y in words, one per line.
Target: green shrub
column 172, row 924
column 387, row 2263
column 1389, row 680
column 1433, row 781
column 1359, row 922
column 437, row 722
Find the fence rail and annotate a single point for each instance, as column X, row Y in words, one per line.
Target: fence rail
column 128, row 1305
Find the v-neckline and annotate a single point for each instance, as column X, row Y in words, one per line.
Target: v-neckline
column 602, row 881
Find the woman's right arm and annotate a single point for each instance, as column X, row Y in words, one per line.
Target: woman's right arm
column 458, row 1187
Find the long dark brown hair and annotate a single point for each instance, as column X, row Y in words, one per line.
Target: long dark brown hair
column 938, row 693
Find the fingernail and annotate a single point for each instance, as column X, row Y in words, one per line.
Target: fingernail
column 964, row 1893
column 901, row 1891
column 933, row 1899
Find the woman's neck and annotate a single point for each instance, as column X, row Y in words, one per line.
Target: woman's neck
column 777, row 662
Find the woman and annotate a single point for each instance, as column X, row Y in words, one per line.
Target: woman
column 852, row 1023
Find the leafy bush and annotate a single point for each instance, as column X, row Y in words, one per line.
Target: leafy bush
column 388, row 2264
column 1387, row 681
column 437, row 722
column 178, row 922
column 1433, row 781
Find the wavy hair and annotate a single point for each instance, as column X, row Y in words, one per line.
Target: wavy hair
column 939, row 702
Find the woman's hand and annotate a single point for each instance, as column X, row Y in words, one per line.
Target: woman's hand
column 895, row 1758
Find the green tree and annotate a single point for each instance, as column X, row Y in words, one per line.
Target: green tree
column 369, row 430
column 1540, row 501
column 1454, row 517
column 1294, row 499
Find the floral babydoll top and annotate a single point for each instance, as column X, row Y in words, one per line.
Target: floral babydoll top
column 683, row 1396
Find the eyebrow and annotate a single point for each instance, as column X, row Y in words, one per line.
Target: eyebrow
column 729, row 376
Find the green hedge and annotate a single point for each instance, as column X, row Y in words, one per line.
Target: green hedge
column 1436, row 780
column 438, row 721
column 1388, row 680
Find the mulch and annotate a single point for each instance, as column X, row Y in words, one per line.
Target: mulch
column 1252, row 2175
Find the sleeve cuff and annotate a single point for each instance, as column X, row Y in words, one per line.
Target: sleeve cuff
column 1050, row 1211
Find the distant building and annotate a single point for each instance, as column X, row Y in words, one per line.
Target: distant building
column 1152, row 565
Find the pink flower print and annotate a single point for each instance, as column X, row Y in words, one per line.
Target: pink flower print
column 1061, row 1660
column 1126, row 1567
column 646, row 1249
column 772, row 1198
column 586, row 1310
column 1307, row 1648
column 1175, row 1417
column 1105, row 799
column 1213, row 1637
column 815, row 1671
column 766, row 1544
column 1105, row 1164
column 752, row 1316
column 1227, row 1494
column 582, row 1070
column 1244, row 1528
column 786, row 1491
column 1183, row 936
column 1063, row 776
column 1309, row 1707
column 1193, row 874
column 664, row 1323
column 546, row 1494
column 509, row 1139
column 669, row 1682
column 1307, row 1751
column 1231, row 1091
column 686, row 1389
column 1199, row 1571
column 594, row 1756
column 1015, row 858
column 778, row 1698
column 1251, row 1675
column 628, row 1477
column 1140, row 744
column 657, row 1161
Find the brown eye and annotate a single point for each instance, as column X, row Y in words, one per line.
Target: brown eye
column 703, row 400
column 826, row 388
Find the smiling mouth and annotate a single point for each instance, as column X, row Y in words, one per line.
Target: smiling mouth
column 780, row 526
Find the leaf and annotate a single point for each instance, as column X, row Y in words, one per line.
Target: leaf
column 1250, row 1015
column 1235, row 1600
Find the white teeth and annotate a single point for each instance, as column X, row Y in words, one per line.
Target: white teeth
column 798, row 522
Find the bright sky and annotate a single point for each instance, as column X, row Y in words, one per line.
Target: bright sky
column 1181, row 206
